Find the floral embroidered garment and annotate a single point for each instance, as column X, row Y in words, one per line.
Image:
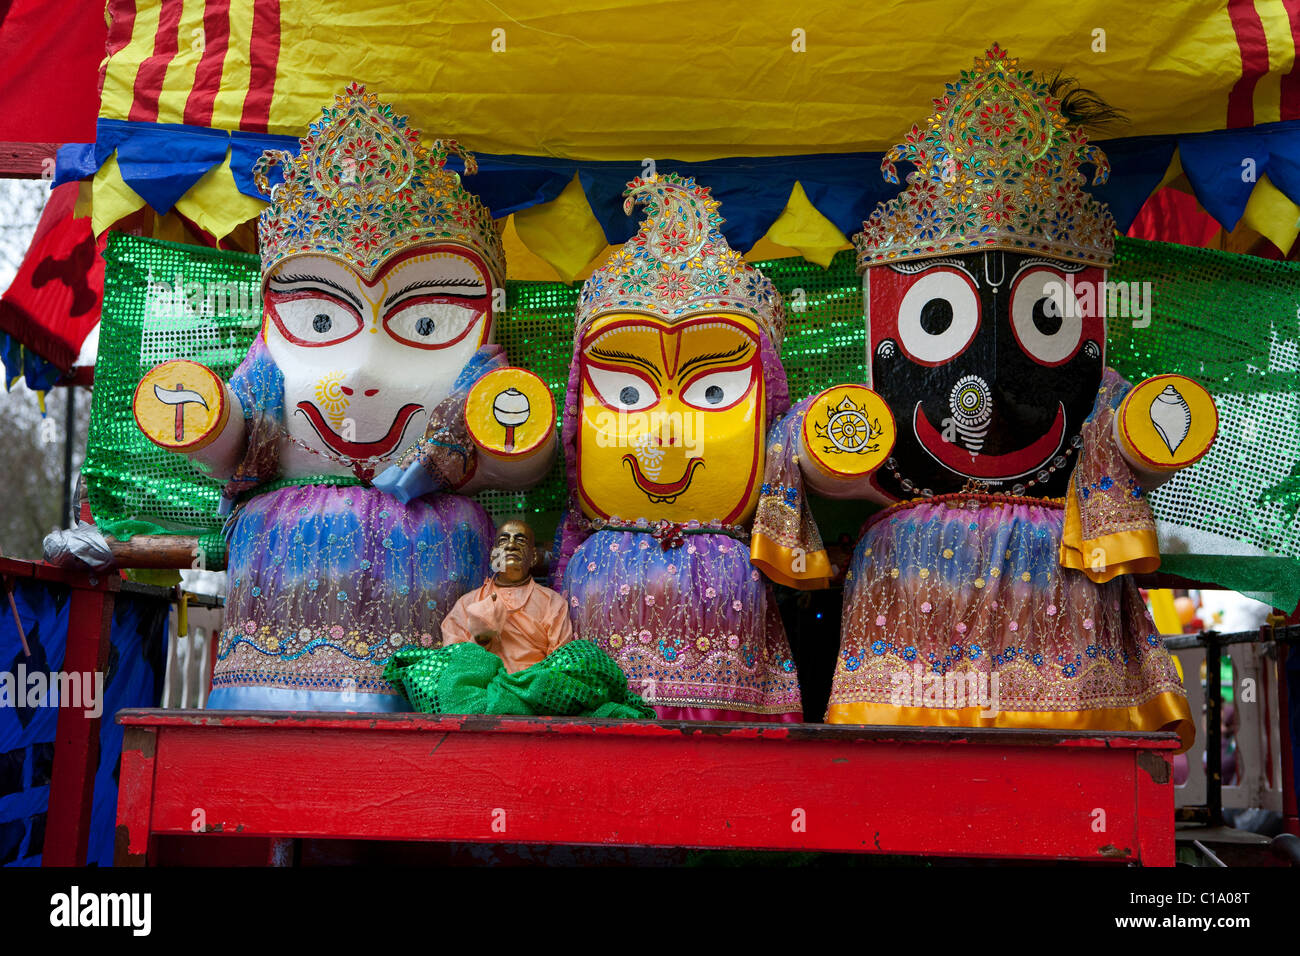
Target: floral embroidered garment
column 326, row 583
column 693, row 626
column 958, row 611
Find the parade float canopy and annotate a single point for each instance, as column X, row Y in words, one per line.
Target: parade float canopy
column 785, row 113
column 1233, row 519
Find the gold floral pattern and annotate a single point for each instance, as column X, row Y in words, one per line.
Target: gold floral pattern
column 991, row 159
column 362, row 165
column 679, row 264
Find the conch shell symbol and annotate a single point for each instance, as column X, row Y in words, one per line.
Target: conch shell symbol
column 1172, row 417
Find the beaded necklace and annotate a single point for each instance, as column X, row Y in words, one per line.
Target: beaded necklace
column 977, row 486
column 670, row 534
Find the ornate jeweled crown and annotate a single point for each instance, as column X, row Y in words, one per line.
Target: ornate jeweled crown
column 997, row 167
column 679, row 264
column 363, row 187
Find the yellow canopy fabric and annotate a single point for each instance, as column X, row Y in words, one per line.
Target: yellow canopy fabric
column 596, row 80
column 626, row 79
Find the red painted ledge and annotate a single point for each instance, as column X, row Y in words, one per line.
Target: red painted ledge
column 962, row 792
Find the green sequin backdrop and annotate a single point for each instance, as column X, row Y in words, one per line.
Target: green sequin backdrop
column 1229, row 322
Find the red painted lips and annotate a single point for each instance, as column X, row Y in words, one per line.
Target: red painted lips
column 359, row 449
column 1010, row 465
column 663, row 492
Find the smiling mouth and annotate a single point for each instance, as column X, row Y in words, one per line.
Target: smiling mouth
column 359, row 449
column 1013, row 464
column 662, row 492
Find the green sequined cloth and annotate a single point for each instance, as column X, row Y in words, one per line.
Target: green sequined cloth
column 578, row 680
column 1227, row 321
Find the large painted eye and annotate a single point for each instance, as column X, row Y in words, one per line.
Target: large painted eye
column 431, row 325
column 938, row 317
column 307, row 320
column 718, row 390
column 1045, row 317
column 624, row 391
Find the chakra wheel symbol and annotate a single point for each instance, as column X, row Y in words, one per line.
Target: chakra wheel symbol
column 848, row 429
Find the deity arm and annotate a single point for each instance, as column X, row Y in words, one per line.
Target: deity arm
column 495, row 431
column 185, row 407
column 1164, row 424
column 785, row 543
column 510, row 417
column 847, row 433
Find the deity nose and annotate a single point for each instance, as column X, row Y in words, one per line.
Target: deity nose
column 971, row 401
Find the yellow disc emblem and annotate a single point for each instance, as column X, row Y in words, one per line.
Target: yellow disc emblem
column 509, row 411
column 850, row 430
column 180, row 405
column 1167, row 422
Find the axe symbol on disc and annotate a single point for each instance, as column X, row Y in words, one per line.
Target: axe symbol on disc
column 180, row 396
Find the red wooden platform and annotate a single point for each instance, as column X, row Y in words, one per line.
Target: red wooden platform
column 943, row 791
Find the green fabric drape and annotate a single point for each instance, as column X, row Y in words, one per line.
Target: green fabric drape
column 578, row 680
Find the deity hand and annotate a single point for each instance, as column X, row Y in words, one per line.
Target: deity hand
column 186, row 407
column 495, row 430
column 848, row 432
column 1164, row 424
column 510, row 416
column 444, row 457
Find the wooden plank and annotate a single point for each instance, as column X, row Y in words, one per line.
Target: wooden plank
column 135, row 796
column 420, row 723
column 27, row 160
column 76, row 736
column 73, row 577
column 922, row 791
column 1154, row 795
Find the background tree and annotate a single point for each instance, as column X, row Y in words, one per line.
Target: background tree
column 31, row 444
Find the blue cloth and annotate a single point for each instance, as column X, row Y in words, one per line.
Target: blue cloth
column 1223, row 167
column 161, row 161
column 132, row 678
column 19, row 361
column 276, row 698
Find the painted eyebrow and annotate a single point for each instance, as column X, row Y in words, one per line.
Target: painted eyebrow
column 626, row 357
column 316, row 281
column 476, row 287
column 1051, row 264
column 916, row 268
column 714, row 357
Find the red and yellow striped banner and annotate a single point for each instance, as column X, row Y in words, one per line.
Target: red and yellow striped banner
column 199, row 62
column 621, row 79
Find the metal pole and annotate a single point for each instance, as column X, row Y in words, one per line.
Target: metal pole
column 69, row 437
column 1213, row 729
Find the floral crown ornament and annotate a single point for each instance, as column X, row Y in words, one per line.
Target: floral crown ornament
column 679, row 264
column 363, row 187
column 997, row 167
